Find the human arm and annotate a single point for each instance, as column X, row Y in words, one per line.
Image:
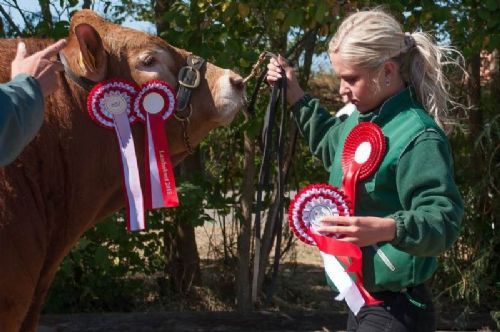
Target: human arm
column 21, row 115
column 22, row 99
column 432, row 210
column 314, row 122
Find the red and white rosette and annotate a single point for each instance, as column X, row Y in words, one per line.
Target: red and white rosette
column 363, row 152
column 310, row 204
column 304, row 216
column 155, row 103
column 109, row 104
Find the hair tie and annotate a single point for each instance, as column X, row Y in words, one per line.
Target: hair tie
column 409, row 41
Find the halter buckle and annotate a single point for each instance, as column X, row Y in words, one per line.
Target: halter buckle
column 186, row 76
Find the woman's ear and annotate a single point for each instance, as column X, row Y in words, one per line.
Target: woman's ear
column 391, row 70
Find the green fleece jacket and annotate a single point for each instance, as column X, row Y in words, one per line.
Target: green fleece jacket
column 414, row 185
column 21, row 115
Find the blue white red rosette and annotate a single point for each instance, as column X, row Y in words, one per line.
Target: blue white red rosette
column 109, row 104
column 155, row 103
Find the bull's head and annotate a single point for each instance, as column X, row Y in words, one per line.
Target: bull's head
column 99, row 50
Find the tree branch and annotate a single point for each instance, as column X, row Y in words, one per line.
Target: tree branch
column 11, row 22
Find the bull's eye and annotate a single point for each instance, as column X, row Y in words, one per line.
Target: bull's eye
column 148, row 60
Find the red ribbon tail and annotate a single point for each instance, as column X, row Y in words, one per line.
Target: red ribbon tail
column 162, row 179
column 349, row 184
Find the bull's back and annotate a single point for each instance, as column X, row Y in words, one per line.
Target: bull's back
column 8, row 49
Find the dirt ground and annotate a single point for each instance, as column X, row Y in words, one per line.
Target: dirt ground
column 302, row 301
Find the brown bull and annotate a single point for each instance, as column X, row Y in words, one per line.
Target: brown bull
column 69, row 177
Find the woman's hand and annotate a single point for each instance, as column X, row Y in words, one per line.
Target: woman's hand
column 274, row 73
column 362, row 231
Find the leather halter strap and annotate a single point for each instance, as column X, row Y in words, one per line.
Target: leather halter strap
column 189, row 78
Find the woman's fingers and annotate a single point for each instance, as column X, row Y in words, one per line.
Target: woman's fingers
column 273, row 71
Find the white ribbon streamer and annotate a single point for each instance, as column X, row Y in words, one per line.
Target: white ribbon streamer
column 130, row 172
column 343, row 282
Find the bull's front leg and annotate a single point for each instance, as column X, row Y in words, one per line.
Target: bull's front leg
column 20, row 265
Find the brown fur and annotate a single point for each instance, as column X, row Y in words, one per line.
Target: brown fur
column 69, row 177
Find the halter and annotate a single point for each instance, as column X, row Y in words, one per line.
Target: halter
column 188, row 79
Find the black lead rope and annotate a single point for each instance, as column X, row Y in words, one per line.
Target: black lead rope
column 278, row 94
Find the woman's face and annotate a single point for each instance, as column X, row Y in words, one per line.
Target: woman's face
column 359, row 86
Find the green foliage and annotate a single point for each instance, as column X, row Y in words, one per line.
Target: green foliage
column 105, row 270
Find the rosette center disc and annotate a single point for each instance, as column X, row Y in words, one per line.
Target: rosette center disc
column 363, row 152
column 115, row 104
column 153, row 103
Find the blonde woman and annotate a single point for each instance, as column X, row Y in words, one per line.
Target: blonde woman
column 410, row 209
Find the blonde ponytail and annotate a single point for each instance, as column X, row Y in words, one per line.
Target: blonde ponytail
column 367, row 39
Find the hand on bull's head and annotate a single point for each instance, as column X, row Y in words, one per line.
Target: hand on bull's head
column 99, row 50
column 40, row 65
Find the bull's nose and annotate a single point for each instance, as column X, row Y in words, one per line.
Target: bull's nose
column 237, row 82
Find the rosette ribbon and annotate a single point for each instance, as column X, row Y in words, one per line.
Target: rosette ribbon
column 154, row 104
column 363, row 152
column 340, row 258
column 109, row 104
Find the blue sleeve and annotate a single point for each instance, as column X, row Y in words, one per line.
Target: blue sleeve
column 21, row 115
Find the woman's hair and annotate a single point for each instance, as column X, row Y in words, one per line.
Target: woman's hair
column 367, row 39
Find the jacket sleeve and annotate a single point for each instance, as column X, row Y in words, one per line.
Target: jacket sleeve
column 319, row 128
column 433, row 207
column 21, row 115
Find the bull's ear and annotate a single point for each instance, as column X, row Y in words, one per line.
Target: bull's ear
column 92, row 51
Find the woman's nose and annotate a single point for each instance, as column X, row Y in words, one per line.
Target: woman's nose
column 342, row 88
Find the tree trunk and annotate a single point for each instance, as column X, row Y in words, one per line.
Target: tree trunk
column 181, row 252
column 160, row 8
column 243, row 298
column 2, row 31
column 182, row 259
column 86, row 4
column 495, row 77
column 45, row 9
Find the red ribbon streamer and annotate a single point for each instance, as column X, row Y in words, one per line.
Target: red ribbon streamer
column 342, row 251
column 163, row 165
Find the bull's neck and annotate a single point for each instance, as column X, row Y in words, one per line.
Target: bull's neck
column 90, row 157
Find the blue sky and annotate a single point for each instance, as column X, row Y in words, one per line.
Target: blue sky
column 32, row 5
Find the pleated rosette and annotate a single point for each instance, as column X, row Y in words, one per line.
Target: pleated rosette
column 155, row 104
column 305, row 212
column 109, row 104
column 364, row 149
column 310, row 204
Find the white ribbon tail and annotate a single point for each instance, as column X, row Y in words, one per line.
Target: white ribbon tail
column 131, row 172
column 343, row 282
column 156, row 192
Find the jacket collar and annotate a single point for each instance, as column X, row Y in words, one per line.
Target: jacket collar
column 400, row 101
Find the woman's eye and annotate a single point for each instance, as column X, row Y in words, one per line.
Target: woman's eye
column 350, row 79
column 148, row 61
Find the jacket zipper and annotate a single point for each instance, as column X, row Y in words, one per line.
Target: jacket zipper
column 384, row 257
